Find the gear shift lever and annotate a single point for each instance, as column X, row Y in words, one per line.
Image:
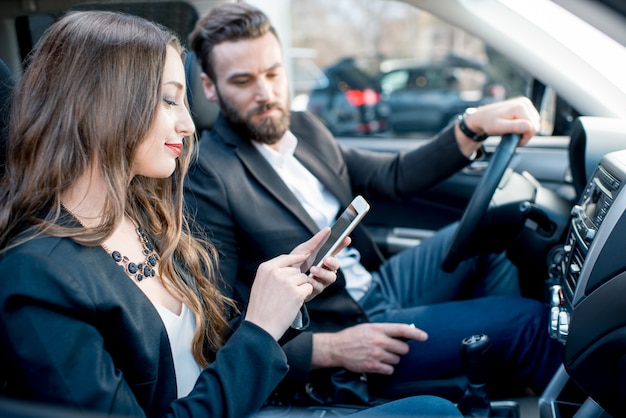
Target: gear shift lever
column 475, row 402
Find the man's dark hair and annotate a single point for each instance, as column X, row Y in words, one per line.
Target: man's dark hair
column 227, row 22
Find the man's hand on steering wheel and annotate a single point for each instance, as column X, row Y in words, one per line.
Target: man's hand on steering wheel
column 513, row 116
column 516, row 120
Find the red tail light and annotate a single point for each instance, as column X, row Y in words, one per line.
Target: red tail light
column 497, row 91
column 362, row 97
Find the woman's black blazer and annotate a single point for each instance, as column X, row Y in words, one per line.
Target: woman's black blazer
column 74, row 330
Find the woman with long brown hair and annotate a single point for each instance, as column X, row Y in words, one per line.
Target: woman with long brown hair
column 107, row 301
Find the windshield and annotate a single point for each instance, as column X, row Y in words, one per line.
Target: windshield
column 578, row 35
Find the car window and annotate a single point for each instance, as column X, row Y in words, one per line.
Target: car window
column 388, row 68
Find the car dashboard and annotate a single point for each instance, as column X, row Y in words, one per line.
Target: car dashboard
column 588, row 292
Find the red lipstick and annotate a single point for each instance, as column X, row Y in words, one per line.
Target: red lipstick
column 175, row 148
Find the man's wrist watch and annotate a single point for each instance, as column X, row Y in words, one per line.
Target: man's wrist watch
column 466, row 130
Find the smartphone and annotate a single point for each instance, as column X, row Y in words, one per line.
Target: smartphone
column 342, row 227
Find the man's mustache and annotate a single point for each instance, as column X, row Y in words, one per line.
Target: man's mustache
column 264, row 108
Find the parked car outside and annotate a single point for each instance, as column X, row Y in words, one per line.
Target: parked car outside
column 427, row 96
column 347, row 100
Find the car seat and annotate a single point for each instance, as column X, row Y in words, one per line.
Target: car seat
column 178, row 16
column 203, row 111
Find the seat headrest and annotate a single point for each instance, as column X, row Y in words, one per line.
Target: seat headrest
column 181, row 17
column 203, row 111
column 178, row 16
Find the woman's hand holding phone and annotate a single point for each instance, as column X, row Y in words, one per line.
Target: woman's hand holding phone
column 284, row 283
column 322, row 275
column 280, row 287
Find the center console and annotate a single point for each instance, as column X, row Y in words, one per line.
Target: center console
column 587, row 218
column 588, row 297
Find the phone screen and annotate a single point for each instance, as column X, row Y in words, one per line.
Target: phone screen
column 342, row 227
column 336, row 232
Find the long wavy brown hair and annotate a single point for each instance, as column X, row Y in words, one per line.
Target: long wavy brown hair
column 87, row 99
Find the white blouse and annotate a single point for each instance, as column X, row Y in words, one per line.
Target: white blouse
column 180, row 330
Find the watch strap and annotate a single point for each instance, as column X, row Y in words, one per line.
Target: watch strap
column 468, row 132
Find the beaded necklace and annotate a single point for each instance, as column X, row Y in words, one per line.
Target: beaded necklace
column 137, row 271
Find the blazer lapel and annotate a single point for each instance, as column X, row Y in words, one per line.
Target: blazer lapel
column 324, row 172
column 263, row 172
column 319, row 155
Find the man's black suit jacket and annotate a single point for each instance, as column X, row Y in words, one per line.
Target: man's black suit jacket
column 246, row 209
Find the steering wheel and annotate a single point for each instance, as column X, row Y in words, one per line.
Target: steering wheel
column 480, row 201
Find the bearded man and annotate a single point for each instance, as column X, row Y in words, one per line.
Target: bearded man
column 266, row 179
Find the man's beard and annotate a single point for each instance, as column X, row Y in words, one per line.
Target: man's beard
column 269, row 131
